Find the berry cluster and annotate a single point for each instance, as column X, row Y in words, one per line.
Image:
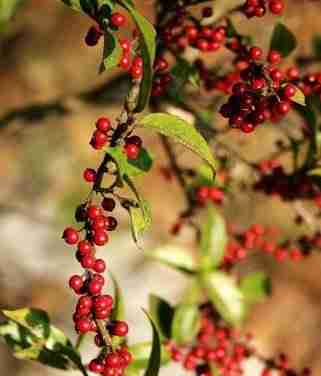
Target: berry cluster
column 162, row 77
column 276, row 181
column 93, row 307
column 257, row 8
column 102, row 135
column 181, row 31
column 206, row 194
column 269, row 241
column 311, row 84
column 261, row 94
column 225, row 349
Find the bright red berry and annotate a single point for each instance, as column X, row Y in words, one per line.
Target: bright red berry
column 103, row 124
column 132, row 151
column 117, row 19
column 70, row 235
column 89, row 175
column 76, row 282
column 119, row 329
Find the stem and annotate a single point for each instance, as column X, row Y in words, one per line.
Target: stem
column 80, row 341
column 104, row 333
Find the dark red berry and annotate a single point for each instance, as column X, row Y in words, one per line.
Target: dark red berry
column 89, row 175
column 100, row 237
column 76, row 282
column 119, row 329
column 108, row 204
column 103, row 124
column 99, row 266
column 83, row 325
column 256, row 53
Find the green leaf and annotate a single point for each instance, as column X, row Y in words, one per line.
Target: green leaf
column 174, row 256
column 283, row 40
column 255, row 287
column 225, row 296
column 162, row 313
column 140, row 215
column 183, row 72
column 186, row 323
column 35, row 320
column 118, row 312
column 112, row 52
column 85, row 6
column 128, row 167
column 141, row 353
column 213, row 239
column 181, row 131
column 315, row 172
column 7, row 10
column 30, row 336
column 154, row 361
column 193, row 294
column 148, row 49
column 316, row 46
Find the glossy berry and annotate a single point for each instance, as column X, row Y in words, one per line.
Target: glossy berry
column 84, row 248
column 111, row 223
column 76, row 282
column 93, row 211
column 132, row 151
column 88, row 262
column 99, row 266
column 289, row 91
column 134, row 140
column 96, row 367
column 256, row 53
column 274, row 57
column 136, row 72
column 103, row 302
column 89, row 175
column 93, row 35
column 276, row 6
column 113, row 360
column 103, row 124
column 119, row 329
column 100, row 237
column 117, row 19
column 70, row 235
column 83, row 325
column 95, row 287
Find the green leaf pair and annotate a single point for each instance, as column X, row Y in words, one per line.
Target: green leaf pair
column 30, row 335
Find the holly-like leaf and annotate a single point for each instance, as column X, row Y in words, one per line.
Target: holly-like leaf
column 30, row 335
column 141, row 353
column 186, row 323
column 225, row 295
column 283, row 40
column 174, row 256
column 213, row 239
column 35, row 320
column 154, row 361
column 130, row 168
column 112, row 52
column 162, row 313
column 181, row 131
column 148, row 49
column 255, row 287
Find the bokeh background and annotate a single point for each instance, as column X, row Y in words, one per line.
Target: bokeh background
column 43, row 151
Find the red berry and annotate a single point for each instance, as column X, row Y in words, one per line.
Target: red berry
column 95, row 287
column 125, row 62
column 202, row 195
column 276, row 6
column 84, row 248
column 111, row 223
column 88, row 262
column 95, row 366
column 76, row 282
column 136, row 72
column 289, row 91
column 70, row 235
column 85, row 301
column 135, row 140
column 99, row 223
column 83, row 325
column 89, row 175
column 113, row 360
column 255, row 53
column 119, row 329
column 274, row 57
column 283, row 107
column 100, row 237
column 247, row 127
column 132, row 151
column 125, row 44
column 216, row 195
column 93, row 211
column 103, row 124
column 103, row 302
column 99, row 266
column 117, row 19
column 102, row 314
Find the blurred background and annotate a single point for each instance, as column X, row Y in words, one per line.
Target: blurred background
column 50, row 97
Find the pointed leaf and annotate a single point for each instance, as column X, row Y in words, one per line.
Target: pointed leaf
column 112, row 52
column 174, row 256
column 162, row 313
column 255, row 287
column 141, row 353
column 213, row 239
column 283, row 40
column 118, row 312
column 148, row 48
column 154, row 361
column 225, row 296
column 186, row 323
column 182, row 132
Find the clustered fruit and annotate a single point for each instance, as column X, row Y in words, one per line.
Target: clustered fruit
column 94, row 310
column 106, row 20
column 225, row 349
column 258, row 8
column 205, row 194
column 261, row 94
column 181, row 31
